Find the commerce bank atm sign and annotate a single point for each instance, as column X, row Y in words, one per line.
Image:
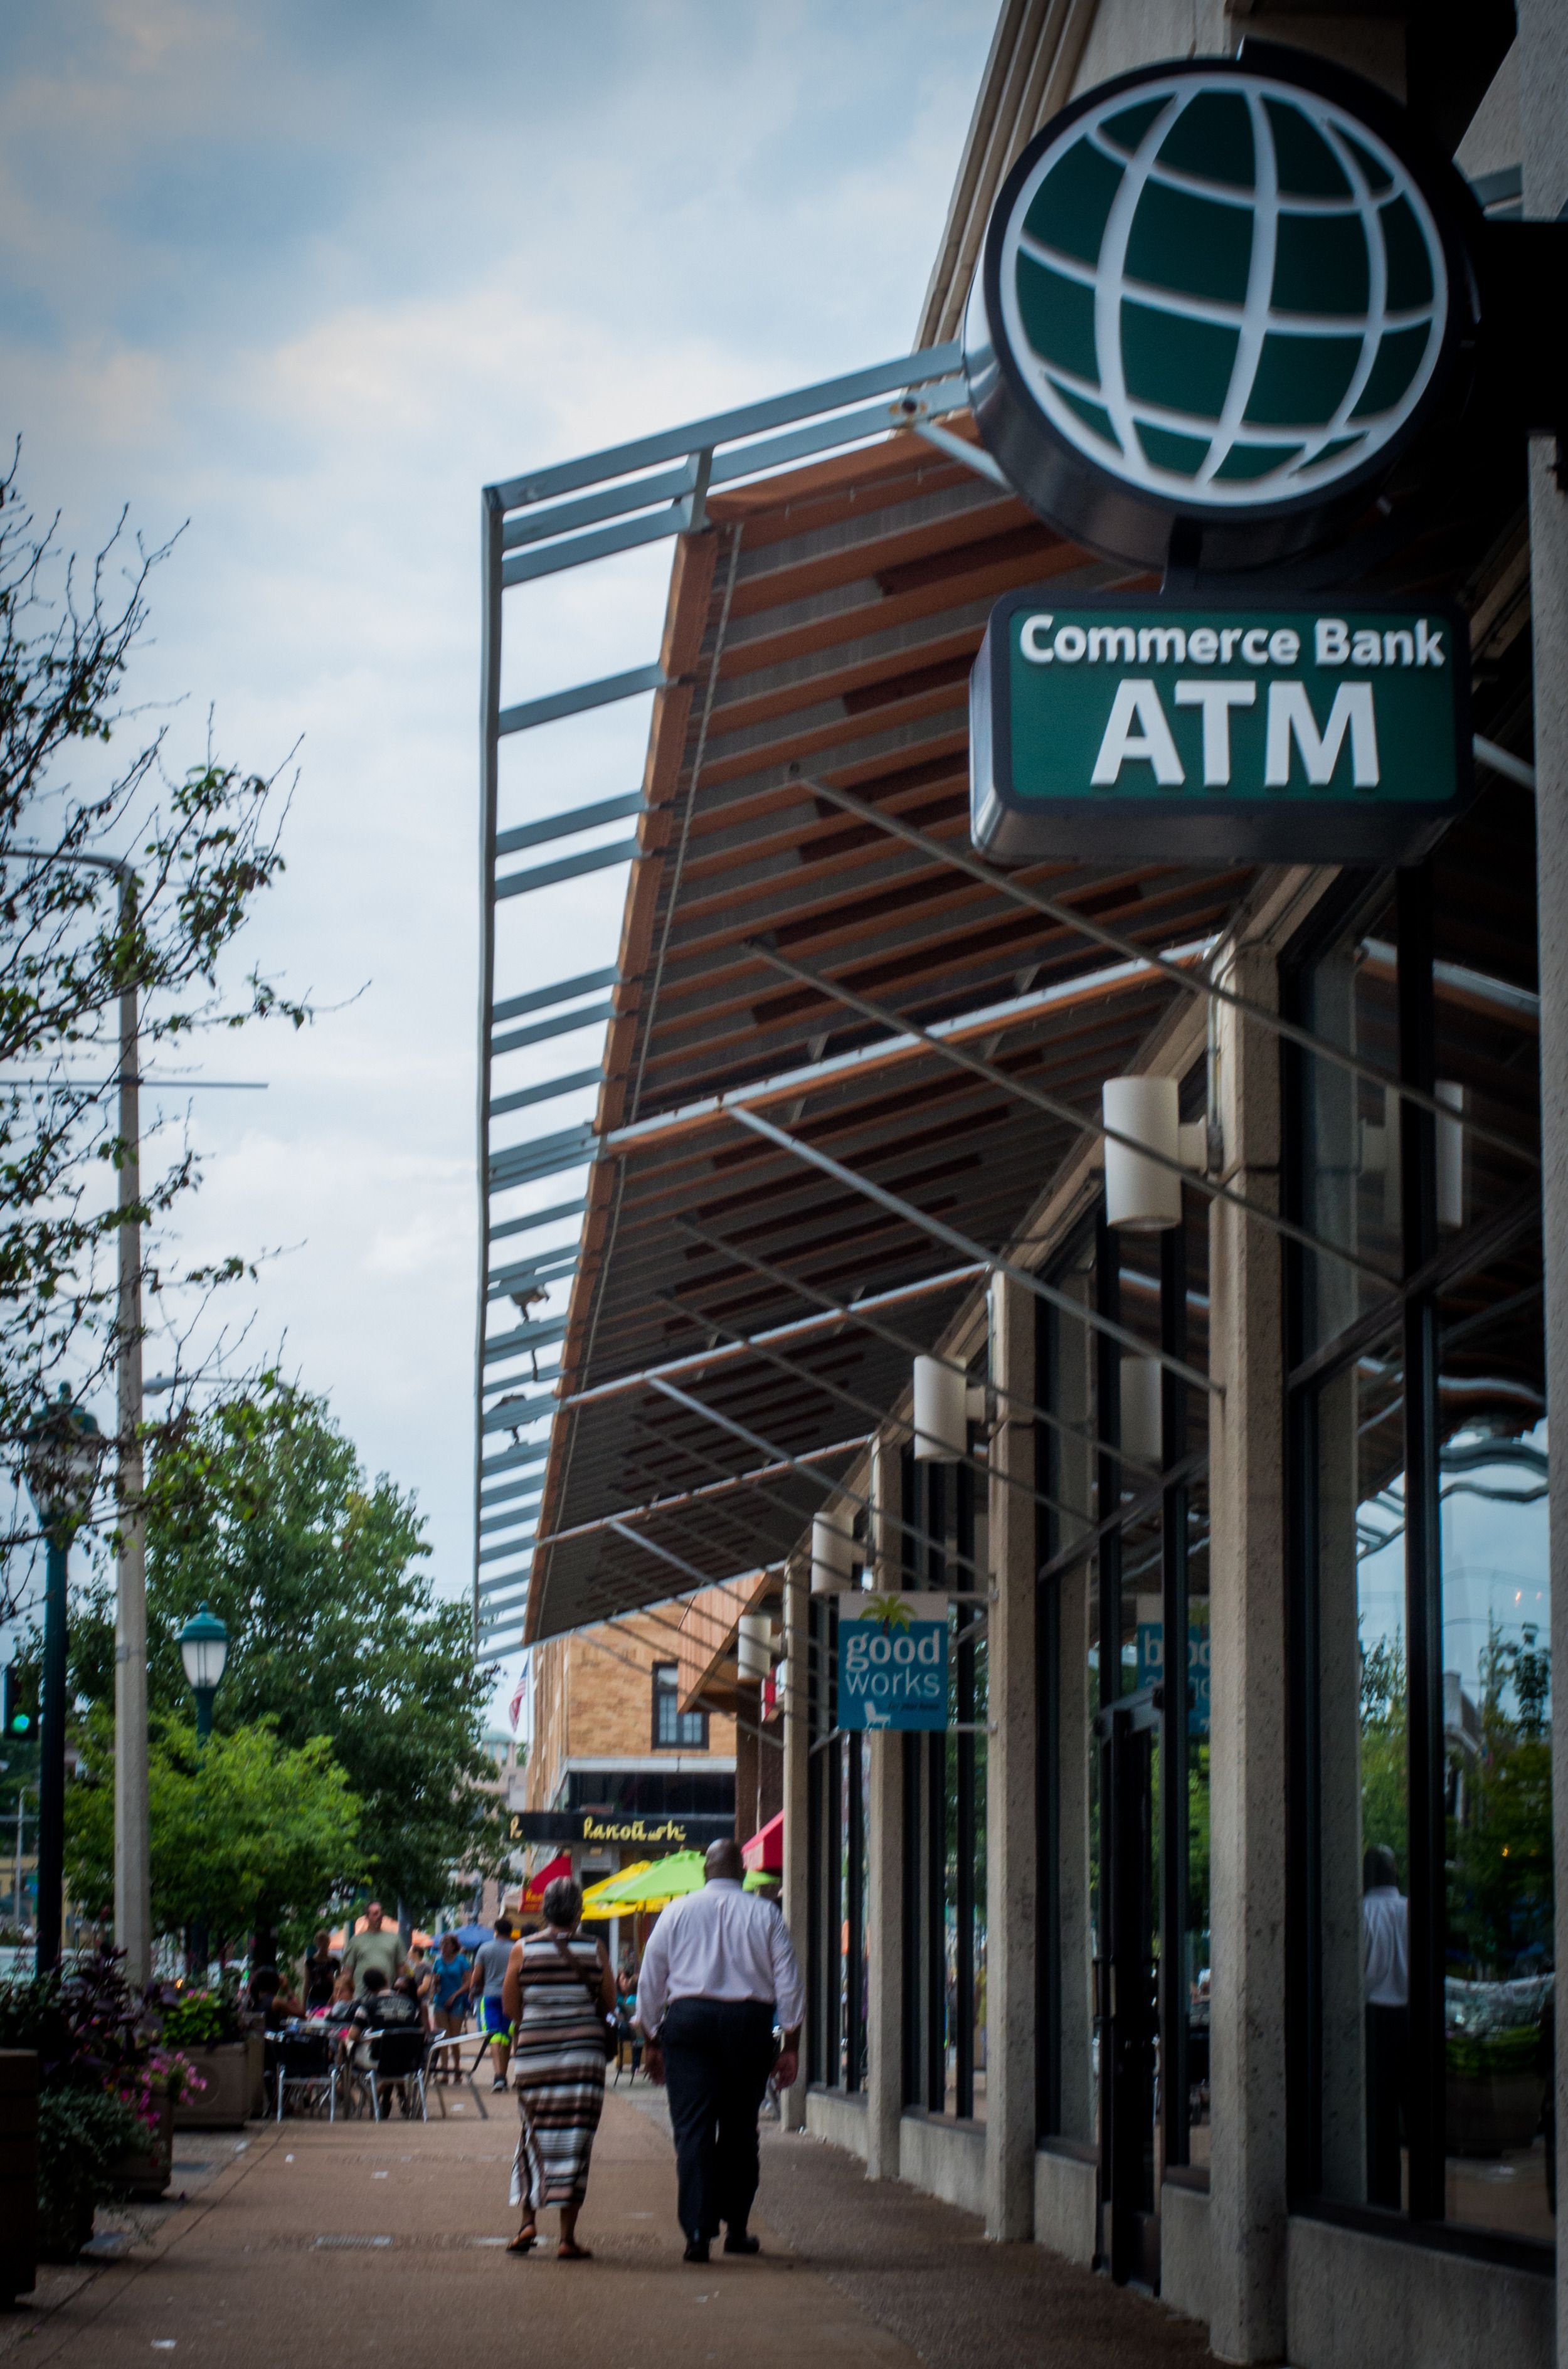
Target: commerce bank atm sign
column 1120, row 729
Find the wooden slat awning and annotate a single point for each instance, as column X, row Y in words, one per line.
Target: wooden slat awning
column 820, row 632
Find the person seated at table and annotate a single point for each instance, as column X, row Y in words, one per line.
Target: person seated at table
column 407, row 1987
column 340, row 2008
column 266, row 1996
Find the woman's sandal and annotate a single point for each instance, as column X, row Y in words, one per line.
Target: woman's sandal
column 523, row 2242
column 568, row 2250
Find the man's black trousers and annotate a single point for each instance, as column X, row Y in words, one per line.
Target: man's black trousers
column 717, row 2057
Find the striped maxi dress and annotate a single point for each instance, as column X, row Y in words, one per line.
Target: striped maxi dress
column 559, row 2055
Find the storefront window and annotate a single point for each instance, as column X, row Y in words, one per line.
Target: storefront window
column 1498, row 2009
column 1423, row 2038
column 1125, row 1730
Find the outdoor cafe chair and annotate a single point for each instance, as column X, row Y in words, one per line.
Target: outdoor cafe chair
column 396, row 2057
column 305, row 2060
column 445, row 2053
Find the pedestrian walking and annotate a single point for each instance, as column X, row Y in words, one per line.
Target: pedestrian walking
column 320, row 1974
column 380, row 1945
column 485, row 1979
column 557, row 1994
column 449, row 1994
column 719, row 1972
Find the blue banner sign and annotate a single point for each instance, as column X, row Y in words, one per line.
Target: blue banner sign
column 892, row 1660
column 1151, row 1667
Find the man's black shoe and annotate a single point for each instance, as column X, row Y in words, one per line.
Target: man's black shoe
column 739, row 2242
column 696, row 2250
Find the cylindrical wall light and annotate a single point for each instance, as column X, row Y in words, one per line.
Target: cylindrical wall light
column 1142, row 1427
column 832, row 1555
column 754, row 1643
column 941, row 1434
column 1142, row 1196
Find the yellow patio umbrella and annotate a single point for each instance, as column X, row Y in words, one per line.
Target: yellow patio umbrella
column 652, row 1885
column 597, row 1894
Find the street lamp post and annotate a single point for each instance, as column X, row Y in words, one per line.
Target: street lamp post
column 61, row 1464
column 203, row 1648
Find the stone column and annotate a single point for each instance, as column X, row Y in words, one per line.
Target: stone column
column 1247, row 2199
column 748, row 1723
column 1543, row 125
column 885, row 1952
column 1012, row 1856
column 1075, row 1727
column 885, row 1863
column 797, row 1740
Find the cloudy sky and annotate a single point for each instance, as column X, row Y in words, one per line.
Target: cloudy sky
column 300, row 279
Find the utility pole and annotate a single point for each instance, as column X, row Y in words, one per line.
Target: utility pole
column 133, row 1897
column 132, row 1901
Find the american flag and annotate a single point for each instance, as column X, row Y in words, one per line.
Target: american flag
column 517, row 1698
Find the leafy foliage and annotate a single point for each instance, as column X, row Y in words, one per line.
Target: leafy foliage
column 1500, row 1865
column 245, row 1832
column 1385, row 1779
column 261, row 1508
column 199, row 849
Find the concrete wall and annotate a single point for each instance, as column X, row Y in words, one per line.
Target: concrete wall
column 1067, row 2204
column 945, row 2157
column 1356, row 2302
column 1186, row 2280
column 839, row 2116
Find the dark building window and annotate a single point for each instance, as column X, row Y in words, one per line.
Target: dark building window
column 1422, row 1869
column 672, row 1726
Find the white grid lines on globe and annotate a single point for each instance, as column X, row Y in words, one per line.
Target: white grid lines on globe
column 1254, row 318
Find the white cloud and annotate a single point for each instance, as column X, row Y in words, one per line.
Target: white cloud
column 308, row 278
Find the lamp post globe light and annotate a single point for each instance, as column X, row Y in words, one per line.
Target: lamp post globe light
column 60, row 1464
column 203, row 1648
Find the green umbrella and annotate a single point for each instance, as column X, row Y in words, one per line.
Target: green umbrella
column 653, row 1886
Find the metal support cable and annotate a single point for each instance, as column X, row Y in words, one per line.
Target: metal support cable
column 959, row 1057
column 854, row 1311
column 881, row 1416
column 700, row 1358
column 834, row 1488
column 1137, row 1509
column 656, row 1505
column 942, row 1233
column 1067, row 917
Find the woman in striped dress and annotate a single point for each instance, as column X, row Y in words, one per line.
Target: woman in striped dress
column 557, row 1993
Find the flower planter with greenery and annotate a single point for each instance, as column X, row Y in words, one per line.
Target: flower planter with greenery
column 205, row 2027
column 105, row 2094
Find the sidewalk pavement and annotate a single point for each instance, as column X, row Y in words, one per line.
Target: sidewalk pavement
column 364, row 2239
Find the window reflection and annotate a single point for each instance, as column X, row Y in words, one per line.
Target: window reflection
column 1499, row 2018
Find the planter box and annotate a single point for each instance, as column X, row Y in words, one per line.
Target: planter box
column 1489, row 2112
column 145, row 2176
column 18, row 2172
column 229, row 2069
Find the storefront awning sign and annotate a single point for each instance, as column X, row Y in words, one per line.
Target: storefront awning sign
column 1253, row 730
column 892, row 1660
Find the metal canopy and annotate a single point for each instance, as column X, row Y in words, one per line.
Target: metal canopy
column 821, row 627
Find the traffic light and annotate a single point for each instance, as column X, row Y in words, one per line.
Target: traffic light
column 20, row 1703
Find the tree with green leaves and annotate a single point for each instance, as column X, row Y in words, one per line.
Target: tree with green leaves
column 201, row 847
column 261, row 1508
column 245, row 1832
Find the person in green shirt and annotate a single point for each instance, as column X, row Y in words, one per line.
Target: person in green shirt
column 380, row 1945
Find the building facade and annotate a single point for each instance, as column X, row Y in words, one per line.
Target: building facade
column 1212, row 1940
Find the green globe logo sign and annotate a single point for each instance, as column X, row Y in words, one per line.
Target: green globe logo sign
column 1210, row 294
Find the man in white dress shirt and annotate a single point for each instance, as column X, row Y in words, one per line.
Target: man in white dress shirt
column 719, row 1970
column 1385, row 1928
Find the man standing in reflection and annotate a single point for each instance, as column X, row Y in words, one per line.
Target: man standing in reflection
column 1385, row 1926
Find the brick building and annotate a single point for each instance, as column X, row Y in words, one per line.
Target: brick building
column 615, row 1730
